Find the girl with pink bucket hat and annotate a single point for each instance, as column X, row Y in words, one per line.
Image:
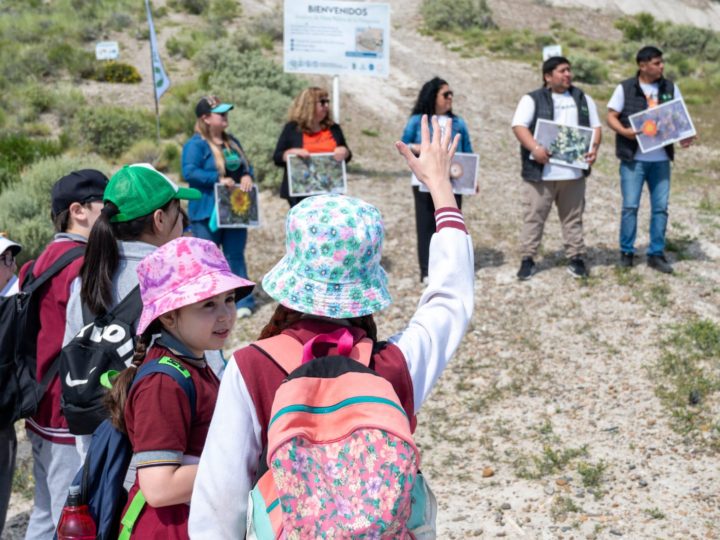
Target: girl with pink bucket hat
column 329, row 284
column 188, row 294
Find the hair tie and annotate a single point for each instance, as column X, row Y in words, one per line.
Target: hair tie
column 110, row 210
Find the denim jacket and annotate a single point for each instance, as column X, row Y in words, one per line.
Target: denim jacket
column 411, row 134
column 199, row 170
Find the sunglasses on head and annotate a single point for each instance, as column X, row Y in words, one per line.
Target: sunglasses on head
column 324, row 101
column 448, row 94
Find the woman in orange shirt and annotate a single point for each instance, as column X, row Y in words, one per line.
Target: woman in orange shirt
column 310, row 130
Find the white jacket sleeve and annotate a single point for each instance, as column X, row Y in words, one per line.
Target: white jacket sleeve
column 73, row 313
column 219, row 501
column 438, row 326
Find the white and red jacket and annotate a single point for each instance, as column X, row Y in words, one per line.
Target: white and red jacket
column 412, row 361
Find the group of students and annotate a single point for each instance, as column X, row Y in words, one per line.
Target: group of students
column 197, row 463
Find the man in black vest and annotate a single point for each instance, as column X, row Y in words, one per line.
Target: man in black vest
column 544, row 182
column 646, row 90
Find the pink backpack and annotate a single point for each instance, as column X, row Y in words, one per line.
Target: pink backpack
column 340, row 460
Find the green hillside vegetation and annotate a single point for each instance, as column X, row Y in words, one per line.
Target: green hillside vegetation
column 46, row 48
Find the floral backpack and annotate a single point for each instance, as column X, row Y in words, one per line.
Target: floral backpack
column 340, row 460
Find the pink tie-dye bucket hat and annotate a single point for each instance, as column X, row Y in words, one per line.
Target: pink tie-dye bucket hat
column 331, row 265
column 182, row 272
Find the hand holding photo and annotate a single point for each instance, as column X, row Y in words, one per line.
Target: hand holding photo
column 463, row 174
column 319, row 173
column 567, row 145
column 235, row 208
column 662, row 125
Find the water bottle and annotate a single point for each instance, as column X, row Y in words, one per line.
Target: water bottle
column 76, row 523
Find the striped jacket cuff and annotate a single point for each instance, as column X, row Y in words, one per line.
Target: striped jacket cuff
column 449, row 217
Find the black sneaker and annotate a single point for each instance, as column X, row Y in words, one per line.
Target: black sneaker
column 527, row 269
column 576, row 268
column 659, row 263
column 626, row 259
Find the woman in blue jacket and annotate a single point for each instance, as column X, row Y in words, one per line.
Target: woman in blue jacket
column 214, row 156
column 435, row 98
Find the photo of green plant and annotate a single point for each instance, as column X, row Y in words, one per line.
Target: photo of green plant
column 662, row 125
column 320, row 173
column 567, row 145
column 235, row 208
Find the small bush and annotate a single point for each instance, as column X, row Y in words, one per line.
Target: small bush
column 457, row 15
column 25, row 207
column 116, row 72
column 187, row 44
column 589, row 70
column 223, row 11
column 640, row 27
column 111, row 130
column 269, row 26
column 18, row 151
column 144, row 151
column 691, row 41
column 196, row 7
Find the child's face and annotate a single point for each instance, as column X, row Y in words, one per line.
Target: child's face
column 204, row 325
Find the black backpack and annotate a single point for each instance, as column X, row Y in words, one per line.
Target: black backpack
column 20, row 391
column 105, row 344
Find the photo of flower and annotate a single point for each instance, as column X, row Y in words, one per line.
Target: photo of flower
column 320, row 173
column 662, row 125
column 236, row 208
column 463, row 174
column 567, row 145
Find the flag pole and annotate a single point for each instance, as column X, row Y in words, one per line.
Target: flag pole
column 152, row 68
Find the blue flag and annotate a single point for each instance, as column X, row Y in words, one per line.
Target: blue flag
column 160, row 79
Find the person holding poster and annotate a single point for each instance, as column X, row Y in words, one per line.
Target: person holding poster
column 310, row 130
column 647, row 89
column 558, row 100
column 435, row 98
column 214, row 156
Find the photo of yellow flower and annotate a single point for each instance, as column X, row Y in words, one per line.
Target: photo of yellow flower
column 236, row 208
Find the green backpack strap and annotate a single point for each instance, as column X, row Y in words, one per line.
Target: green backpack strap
column 133, row 512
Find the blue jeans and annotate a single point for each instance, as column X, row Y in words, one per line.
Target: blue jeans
column 633, row 174
column 233, row 246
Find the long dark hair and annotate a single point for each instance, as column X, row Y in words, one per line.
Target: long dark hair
column 285, row 316
column 102, row 255
column 425, row 103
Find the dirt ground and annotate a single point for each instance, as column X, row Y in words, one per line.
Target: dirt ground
column 552, row 364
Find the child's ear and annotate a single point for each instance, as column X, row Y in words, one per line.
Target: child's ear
column 168, row 320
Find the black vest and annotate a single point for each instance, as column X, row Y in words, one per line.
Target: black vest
column 544, row 109
column 635, row 101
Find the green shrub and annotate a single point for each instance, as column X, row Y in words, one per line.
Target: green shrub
column 269, row 26
column 589, row 70
column 196, row 7
column 223, row 11
column 116, row 72
column 457, row 15
column 143, row 151
column 640, row 27
column 25, row 207
column 186, row 44
column 692, row 41
column 110, row 131
column 19, row 151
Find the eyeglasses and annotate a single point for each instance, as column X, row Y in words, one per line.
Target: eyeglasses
column 448, row 94
column 8, row 259
column 324, row 102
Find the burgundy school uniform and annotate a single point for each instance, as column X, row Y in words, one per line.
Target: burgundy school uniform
column 158, row 420
column 49, row 422
column 263, row 377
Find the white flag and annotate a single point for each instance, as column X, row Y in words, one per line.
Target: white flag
column 160, row 78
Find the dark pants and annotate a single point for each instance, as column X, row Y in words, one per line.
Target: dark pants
column 294, row 201
column 8, row 448
column 425, row 225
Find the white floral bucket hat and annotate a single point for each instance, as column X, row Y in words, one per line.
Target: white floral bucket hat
column 332, row 262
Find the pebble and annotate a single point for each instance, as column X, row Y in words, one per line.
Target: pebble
column 506, row 506
column 580, row 493
column 477, row 532
column 615, row 532
column 488, row 472
column 549, row 490
column 642, row 483
column 632, row 467
column 561, row 482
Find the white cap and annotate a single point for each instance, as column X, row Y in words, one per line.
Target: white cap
column 6, row 243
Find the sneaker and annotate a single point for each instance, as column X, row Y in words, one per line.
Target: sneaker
column 626, row 259
column 659, row 263
column 527, row 269
column 576, row 268
column 244, row 312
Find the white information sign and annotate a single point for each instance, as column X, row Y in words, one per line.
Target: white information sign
column 551, row 50
column 337, row 37
column 107, row 50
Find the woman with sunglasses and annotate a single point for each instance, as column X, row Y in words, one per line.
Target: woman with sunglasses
column 310, row 130
column 435, row 98
column 213, row 156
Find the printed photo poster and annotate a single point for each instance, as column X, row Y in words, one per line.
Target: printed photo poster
column 235, row 208
column 336, row 37
column 320, row 173
column 463, row 174
column 662, row 125
column 567, row 145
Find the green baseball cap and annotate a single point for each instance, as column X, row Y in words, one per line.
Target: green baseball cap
column 138, row 190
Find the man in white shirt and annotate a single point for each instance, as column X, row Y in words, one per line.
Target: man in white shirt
column 646, row 90
column 544, row 182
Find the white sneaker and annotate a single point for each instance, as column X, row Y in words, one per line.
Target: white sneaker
column 243, row 312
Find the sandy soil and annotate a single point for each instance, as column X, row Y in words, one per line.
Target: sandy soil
column 550, row 363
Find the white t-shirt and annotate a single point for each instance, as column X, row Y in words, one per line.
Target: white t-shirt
column 651, row 91
column 565, row 112
column 442, row 122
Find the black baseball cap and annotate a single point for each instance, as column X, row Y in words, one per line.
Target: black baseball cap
column 211, row 104
column 83, row 186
